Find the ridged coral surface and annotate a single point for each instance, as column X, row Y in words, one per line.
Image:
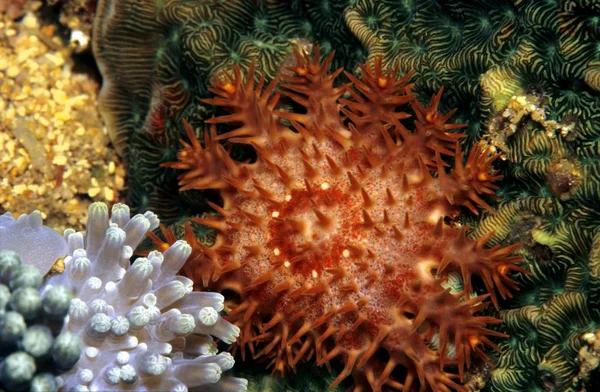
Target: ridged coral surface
column 338, row 240
column 549, row 202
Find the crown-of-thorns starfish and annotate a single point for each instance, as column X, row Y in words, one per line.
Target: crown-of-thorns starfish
column 334, row 240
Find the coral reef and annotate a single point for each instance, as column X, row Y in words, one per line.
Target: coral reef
column 518, row 72
column 180, row 56
column 549, row 203
column 486, row 51
column 33, row 348
column 139, row 323
column 333, row 242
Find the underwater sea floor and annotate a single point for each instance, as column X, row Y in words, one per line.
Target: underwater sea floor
column 55, row 152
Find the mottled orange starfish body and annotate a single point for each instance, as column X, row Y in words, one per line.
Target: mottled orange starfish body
column 334, row 240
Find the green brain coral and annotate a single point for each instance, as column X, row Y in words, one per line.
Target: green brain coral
column 550, row 204
column 307, row 378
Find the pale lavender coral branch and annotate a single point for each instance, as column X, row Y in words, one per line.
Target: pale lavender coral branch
column 38, row 245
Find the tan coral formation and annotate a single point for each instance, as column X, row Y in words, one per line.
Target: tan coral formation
column 519, row 107
column 55, row 150
column 589, row 356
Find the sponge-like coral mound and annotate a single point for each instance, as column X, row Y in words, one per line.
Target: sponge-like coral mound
column 337, row 240
column 141, row 326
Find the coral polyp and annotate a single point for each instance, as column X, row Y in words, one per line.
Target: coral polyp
column 338, row 240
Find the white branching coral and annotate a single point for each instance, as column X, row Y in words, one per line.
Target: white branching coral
column 141, row 325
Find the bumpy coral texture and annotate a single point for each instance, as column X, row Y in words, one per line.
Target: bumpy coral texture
column 141, row 326
column 549, row 203
column 32, row 347
column 335, row 240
